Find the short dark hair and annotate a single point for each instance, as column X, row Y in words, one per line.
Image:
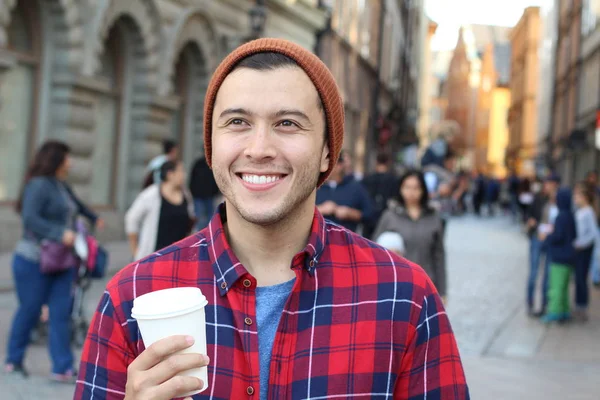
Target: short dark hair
column 269, row 61
column 383, row 159
column 166, row 167
column 424, row 200
column 168, row 145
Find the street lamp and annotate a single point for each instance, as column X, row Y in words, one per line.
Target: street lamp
column 258, row 17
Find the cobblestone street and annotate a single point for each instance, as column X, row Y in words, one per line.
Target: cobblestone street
column 506, row 355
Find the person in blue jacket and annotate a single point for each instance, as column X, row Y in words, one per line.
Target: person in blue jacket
column 559, row 244
column 49, row 210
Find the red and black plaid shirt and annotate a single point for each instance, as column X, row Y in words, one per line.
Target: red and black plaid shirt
column 360, row 322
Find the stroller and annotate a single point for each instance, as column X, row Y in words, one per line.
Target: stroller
column 93, row 260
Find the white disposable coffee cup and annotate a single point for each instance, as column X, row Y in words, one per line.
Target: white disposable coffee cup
column 169, row 312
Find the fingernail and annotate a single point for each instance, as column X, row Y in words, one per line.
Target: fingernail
column 189, row 339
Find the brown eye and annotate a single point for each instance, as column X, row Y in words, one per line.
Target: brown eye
column 288, row 124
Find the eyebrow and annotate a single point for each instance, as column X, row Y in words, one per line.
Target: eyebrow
column 278, row 114
column 296, row 113
column 241, row 111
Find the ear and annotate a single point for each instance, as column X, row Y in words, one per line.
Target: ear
column 325, row 157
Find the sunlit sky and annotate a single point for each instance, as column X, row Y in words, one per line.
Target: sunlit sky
column 450, row 14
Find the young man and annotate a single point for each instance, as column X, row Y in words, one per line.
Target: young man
column 298, row 308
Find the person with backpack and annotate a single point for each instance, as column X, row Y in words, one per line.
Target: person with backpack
column 560, row 246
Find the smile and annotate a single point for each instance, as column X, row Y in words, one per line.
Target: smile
column 260, row 182
column 260, row 179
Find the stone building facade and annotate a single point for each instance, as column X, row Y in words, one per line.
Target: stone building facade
column 113, row 78
column 586, row 154
column 566, row 79
column 525, row 38
column 366, row 44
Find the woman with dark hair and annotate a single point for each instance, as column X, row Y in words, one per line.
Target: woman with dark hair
column 162, row 214
column 49, row 209
column 420, row 226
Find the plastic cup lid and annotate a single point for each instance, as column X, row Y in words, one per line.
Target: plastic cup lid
column 168, row 303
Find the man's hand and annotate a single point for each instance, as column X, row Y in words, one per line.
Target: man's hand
column 151, row 376
column 327, row 208
column 342, row 213
column 531, row 222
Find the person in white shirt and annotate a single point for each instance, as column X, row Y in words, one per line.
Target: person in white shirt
column 587, row 232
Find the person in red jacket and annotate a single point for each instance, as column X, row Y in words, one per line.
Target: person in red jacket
column 298, row 307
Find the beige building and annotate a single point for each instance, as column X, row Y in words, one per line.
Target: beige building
column 427, row 81
column 465, row 82
column 113, row 78
column 523, row 116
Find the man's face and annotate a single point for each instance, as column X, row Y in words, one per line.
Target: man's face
column 268, row 144
column 550, row 188
column 592, row 179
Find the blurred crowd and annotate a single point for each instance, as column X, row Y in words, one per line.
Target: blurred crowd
column 404, row 210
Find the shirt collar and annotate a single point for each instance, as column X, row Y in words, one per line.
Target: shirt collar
column 228, row 269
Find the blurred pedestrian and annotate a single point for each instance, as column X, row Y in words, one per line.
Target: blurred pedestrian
column 162, row 214
column 170, row 153
column 592, row 179
column 420, row 226
column 587, row 234
column 344, row 200
column 540, row 218
column 49, row 210
column 204, row 190
column 479, row 191
column 492, row 196
column 514, row 184
column 559, row 243
column 525, row 198
column 382, row 186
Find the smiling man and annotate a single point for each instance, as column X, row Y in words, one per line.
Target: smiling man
column 298, row 308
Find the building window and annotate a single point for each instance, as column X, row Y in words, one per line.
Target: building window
column 104, row 159
column 18, row 98
column 189, row 83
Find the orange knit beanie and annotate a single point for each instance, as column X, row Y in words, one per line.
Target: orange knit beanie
column 316, row 70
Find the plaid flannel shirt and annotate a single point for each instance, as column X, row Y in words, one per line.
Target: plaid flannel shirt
column 360, row 322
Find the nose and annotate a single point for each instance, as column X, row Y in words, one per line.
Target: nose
column 260, row 144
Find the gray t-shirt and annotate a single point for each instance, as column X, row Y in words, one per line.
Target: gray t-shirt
column 270, row 301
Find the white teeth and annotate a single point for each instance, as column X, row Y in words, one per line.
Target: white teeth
column 260, row 179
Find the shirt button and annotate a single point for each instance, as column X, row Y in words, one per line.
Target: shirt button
column 224, row 285
column 250, row 390
column 248, row 321
column 247, row 283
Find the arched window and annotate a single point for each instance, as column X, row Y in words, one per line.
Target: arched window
column 103, row 186
column 189, row 83
column 18, row 98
